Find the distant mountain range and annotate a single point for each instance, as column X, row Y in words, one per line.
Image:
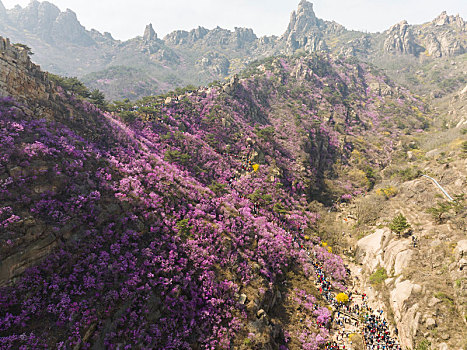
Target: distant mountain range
column 147, row 65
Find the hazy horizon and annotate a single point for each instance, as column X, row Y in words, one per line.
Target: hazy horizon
column 125, row 21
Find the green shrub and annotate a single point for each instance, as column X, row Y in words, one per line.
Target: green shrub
column 279, row 208
column 184, row 228
column 459, row 203
column 24, row 47
column 218, row 188
column 438, row 212
column 378, row 276
column 266, row 133
column 409, row 173
column 423, row 345
column 444, row 297
column 70, row 84
column 127, row 116
column 98, row 98
column 371, row 176
column 399, row 224
column 176, row 156
column 464, row 147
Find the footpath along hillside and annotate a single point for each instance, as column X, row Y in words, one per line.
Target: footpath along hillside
column 359, row 321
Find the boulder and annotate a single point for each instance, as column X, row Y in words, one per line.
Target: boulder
column 402, row 260
column 461, row 250
column 260, row 313
column 433, row 301
column 407, row 318
column 369, row 249
column 430, row 323
column 242, row 299
column 462, row 264
column 443, row 346
column 397, row 256
column 399, row 295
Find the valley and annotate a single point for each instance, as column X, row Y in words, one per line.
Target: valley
column 284, row 199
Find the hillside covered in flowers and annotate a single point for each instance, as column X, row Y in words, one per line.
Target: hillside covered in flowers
column 180, row 221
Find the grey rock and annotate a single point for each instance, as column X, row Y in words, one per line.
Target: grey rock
column 443, row 346
column 16, row 172
column 149, row 33
column 400, row 39
column 430, row 323
column 433, row 301
column 445, row 336
column 242, row 299
column 232, row 86
column 49, row 23
column 305, row 30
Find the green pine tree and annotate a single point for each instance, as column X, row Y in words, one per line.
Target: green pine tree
column 98, row 98
column 399, row 224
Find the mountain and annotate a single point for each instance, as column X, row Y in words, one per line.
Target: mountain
column 180, row 221
column 152, row 65
column 441, row 37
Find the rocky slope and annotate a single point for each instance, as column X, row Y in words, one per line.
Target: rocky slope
column 153, row 65
column 422, row 286
column 441, row 37
column 171, row 223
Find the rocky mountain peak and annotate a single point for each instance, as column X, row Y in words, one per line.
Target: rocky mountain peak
column 442, row 19
column 149, row 33
column 400, row 39
column 445, row 19
column 36, row 16
column 45, row 20
column 2, row 10
column 67, row 28
column 304, row 30
column 303, row 19
column 306, row 7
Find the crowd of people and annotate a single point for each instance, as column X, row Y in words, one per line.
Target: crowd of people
column 374, row 329
column 347, row 316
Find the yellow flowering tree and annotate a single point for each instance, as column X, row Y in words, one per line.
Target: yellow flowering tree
column 342, row 298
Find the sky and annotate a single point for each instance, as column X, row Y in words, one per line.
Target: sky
column 127, row 19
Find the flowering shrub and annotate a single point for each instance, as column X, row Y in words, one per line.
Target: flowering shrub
column 323, row 315
column 158, row 223
column 313, row 341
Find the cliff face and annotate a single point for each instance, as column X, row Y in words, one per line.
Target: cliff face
column 424, row 286
column 27, row 98
column 444, row 36
column 400, row 39
column 19, row 77
column 304, row 30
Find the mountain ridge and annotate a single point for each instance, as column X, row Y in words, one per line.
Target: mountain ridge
column 152, row 65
